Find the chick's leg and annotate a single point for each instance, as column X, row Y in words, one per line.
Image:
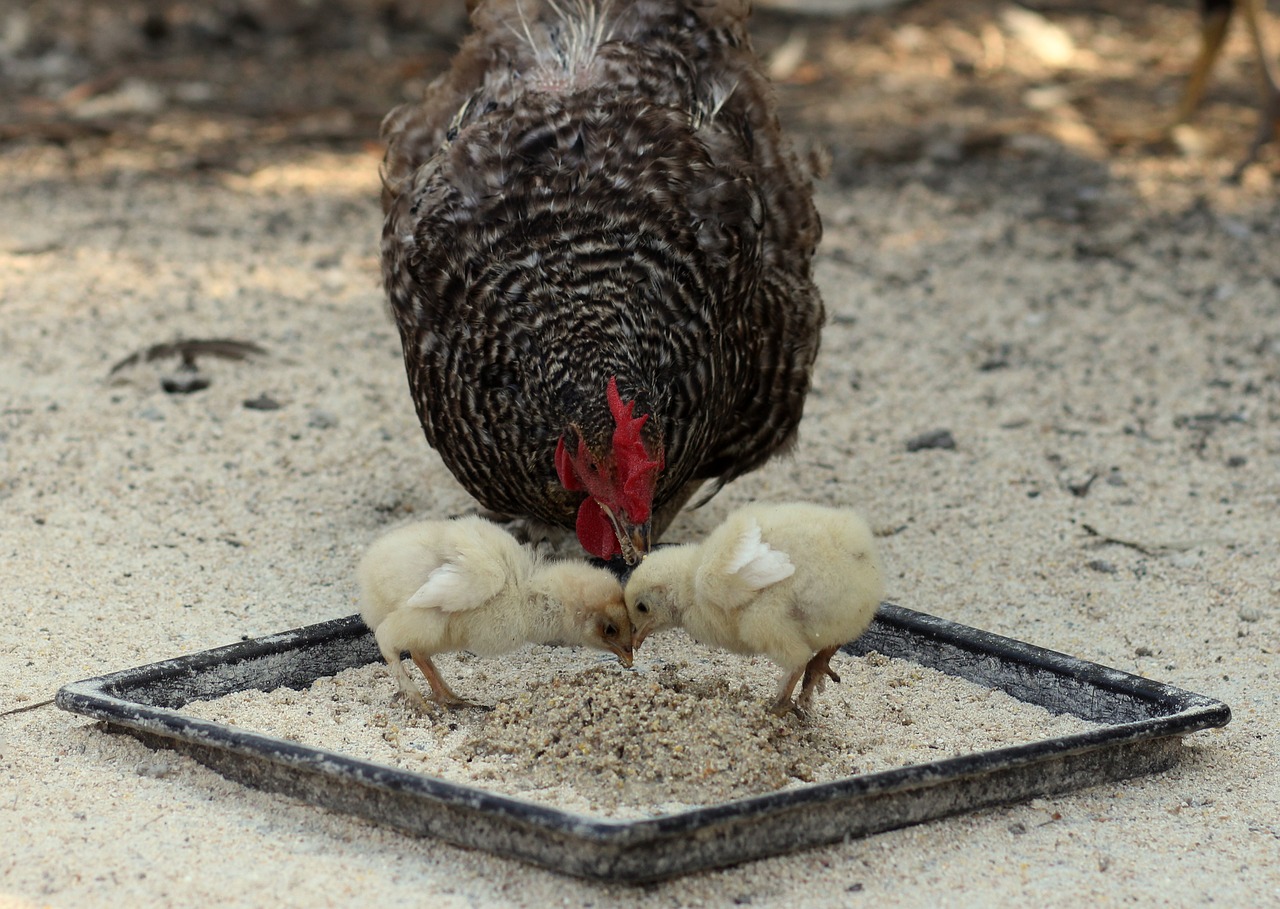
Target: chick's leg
column 818, row 670
column 391, row 653
column 441, row 693
column 816, row 673
column 784, row 705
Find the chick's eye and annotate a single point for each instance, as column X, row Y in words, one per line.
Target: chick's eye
column 642, row 607
column 610, row 631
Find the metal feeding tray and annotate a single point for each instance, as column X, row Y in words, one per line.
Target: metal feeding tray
column 1142, row 724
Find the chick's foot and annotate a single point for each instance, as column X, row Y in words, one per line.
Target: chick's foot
column 783, row 704
column 441, row 693
column 816, row 673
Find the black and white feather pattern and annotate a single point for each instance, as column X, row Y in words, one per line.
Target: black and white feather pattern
column 600, row 189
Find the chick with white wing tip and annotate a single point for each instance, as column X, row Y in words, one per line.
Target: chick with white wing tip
column 467, row 584
column 792, row 582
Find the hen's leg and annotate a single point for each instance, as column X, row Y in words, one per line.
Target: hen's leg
column 441, row 693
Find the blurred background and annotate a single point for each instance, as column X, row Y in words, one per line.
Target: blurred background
column 218, row 84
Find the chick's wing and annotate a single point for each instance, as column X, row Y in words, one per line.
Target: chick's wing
column 473, row 573
column 737, row 564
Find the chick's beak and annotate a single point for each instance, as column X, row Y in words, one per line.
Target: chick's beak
column 624, row 653
column 639, row 634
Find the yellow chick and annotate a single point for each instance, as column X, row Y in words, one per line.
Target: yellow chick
column 467, row 584
column 792, row 582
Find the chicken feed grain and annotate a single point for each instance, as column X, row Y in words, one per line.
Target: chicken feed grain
column 688, row 727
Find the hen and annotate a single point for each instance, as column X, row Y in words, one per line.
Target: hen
column 467, row 584
column 792, row 582
column 597, row 250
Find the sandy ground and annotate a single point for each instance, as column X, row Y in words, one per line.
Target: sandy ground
column 1094, row 317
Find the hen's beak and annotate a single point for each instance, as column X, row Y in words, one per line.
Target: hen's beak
column 639, row 542
column 632, row 538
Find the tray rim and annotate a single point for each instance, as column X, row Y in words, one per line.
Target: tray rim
column 104, row 698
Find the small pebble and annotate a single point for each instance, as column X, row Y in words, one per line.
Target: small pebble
column 1143, row 651
column 1080, row 489
column 262, row 402
column 155, row 768
column 1101, row 566
column 185, row 383
column 322, row 419
column 1249, row 613
column 937, row 438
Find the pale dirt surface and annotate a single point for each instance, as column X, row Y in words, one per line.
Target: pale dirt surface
column 1094, row 317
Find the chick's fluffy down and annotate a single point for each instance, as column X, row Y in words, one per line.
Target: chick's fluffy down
column 421, row 577
column 829, row 598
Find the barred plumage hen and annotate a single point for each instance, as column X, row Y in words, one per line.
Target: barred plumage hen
column 597, row 250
